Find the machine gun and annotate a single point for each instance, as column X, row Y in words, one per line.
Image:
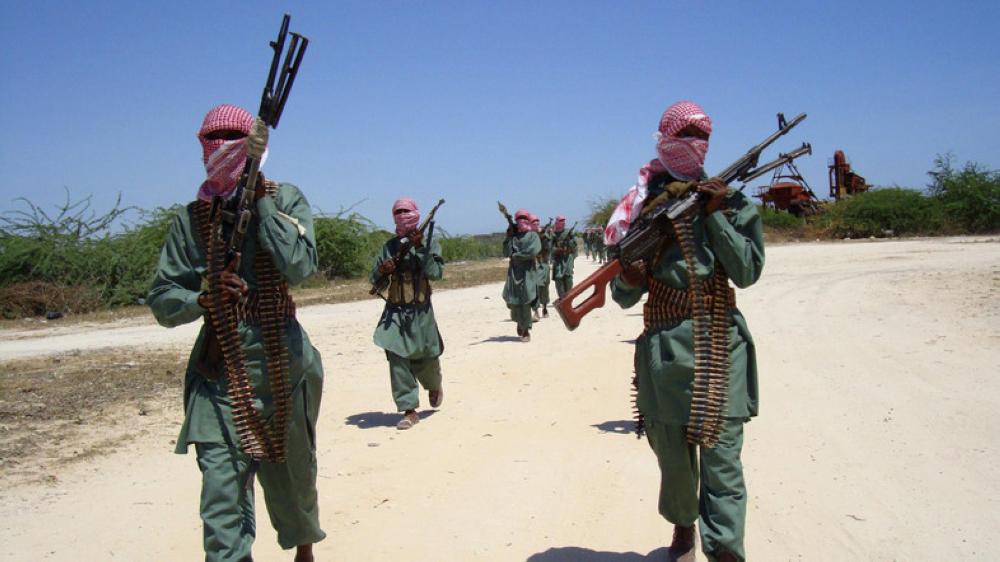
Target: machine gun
column 382, row 282
column 236, row 214
column 651, row 230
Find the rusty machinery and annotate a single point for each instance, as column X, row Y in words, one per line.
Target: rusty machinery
column 843, row 180
column 789, row 191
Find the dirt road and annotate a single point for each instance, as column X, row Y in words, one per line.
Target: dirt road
column 877, row 440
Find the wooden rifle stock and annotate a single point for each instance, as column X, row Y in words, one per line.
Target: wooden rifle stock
column 598, row 280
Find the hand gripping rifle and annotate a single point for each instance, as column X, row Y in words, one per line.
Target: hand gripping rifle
column 647, row 234
column 564, row 237
column 237, row 212
column 404, row 248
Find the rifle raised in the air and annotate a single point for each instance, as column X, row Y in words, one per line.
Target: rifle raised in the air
column 236, row 213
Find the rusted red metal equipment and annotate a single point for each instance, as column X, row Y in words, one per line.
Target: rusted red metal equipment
column 843, row 180
column 789, row 191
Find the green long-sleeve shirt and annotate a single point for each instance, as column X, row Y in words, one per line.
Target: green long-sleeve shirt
column 664, row 359
column 562, row 263
column 283, row 225
column 410, row 330
column 522, row 285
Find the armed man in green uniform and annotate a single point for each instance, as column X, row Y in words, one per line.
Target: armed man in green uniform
column 542, row 271
column 563, row 256
column 407, row 330
column 522, row 245
column 252, row 360
column 702, row 483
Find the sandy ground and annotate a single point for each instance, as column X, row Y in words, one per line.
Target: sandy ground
column 877, row 440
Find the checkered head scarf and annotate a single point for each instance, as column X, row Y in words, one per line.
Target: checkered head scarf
column 683, row 157
column 224, row 159
column 560, row 224
column 406, row 215
column 536, row 223
column 523, row 219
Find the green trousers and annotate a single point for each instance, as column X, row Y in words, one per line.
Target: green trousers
column 227, row 497
column 563, row 284
column 406, row 373
column 543, row 293
column 713, row 493
column 521, row 313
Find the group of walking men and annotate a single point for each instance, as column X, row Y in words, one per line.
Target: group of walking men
column 536, row 254
column 247, row 308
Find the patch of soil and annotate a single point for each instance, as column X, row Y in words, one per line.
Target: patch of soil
column 60, row 409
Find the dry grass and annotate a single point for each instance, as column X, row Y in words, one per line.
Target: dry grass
column 60, row 409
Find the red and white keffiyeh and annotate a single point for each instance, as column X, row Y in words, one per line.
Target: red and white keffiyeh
column 560, row 224
column 523, row 220
column 536, row 223
column 224, row 159
column 682, row 158
column 406, row 215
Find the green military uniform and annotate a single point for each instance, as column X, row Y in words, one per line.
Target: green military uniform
column 543, row 270
column 283, row 226
column 407, row 330
column 600, row 249
column 587, row 243
column 664, row 367
column 521, row 288
column 562, row 261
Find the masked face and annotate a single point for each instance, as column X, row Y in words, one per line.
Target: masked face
column 523, row 220
column 406, row 216
column 683, row 157
column 682, row 140
column 560, row 224
column 223, row 143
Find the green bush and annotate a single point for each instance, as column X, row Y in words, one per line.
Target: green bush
column 457, row 248
column 347, row 247
column 970, row 197
column 891, row 211
column 778, row 219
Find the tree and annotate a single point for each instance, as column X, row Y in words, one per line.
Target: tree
column 970, row 196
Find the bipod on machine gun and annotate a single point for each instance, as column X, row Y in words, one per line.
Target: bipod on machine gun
column 237, row 213
column 649, row 232
column 404, row 248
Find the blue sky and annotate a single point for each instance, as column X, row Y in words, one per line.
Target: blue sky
column 547, row 105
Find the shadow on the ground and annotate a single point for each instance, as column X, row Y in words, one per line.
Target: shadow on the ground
column 369, row 420
column 623, row 427
column 577, row 554
column 498, row 339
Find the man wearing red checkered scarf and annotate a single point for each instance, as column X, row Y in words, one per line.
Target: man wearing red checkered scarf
column 700, row 485
column 522, row 246
column 279, row 249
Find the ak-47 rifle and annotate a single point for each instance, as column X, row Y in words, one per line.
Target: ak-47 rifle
column 406, row 243
column 510, row 220
column 236, row 213
column 649, row 232
column 562, row 238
